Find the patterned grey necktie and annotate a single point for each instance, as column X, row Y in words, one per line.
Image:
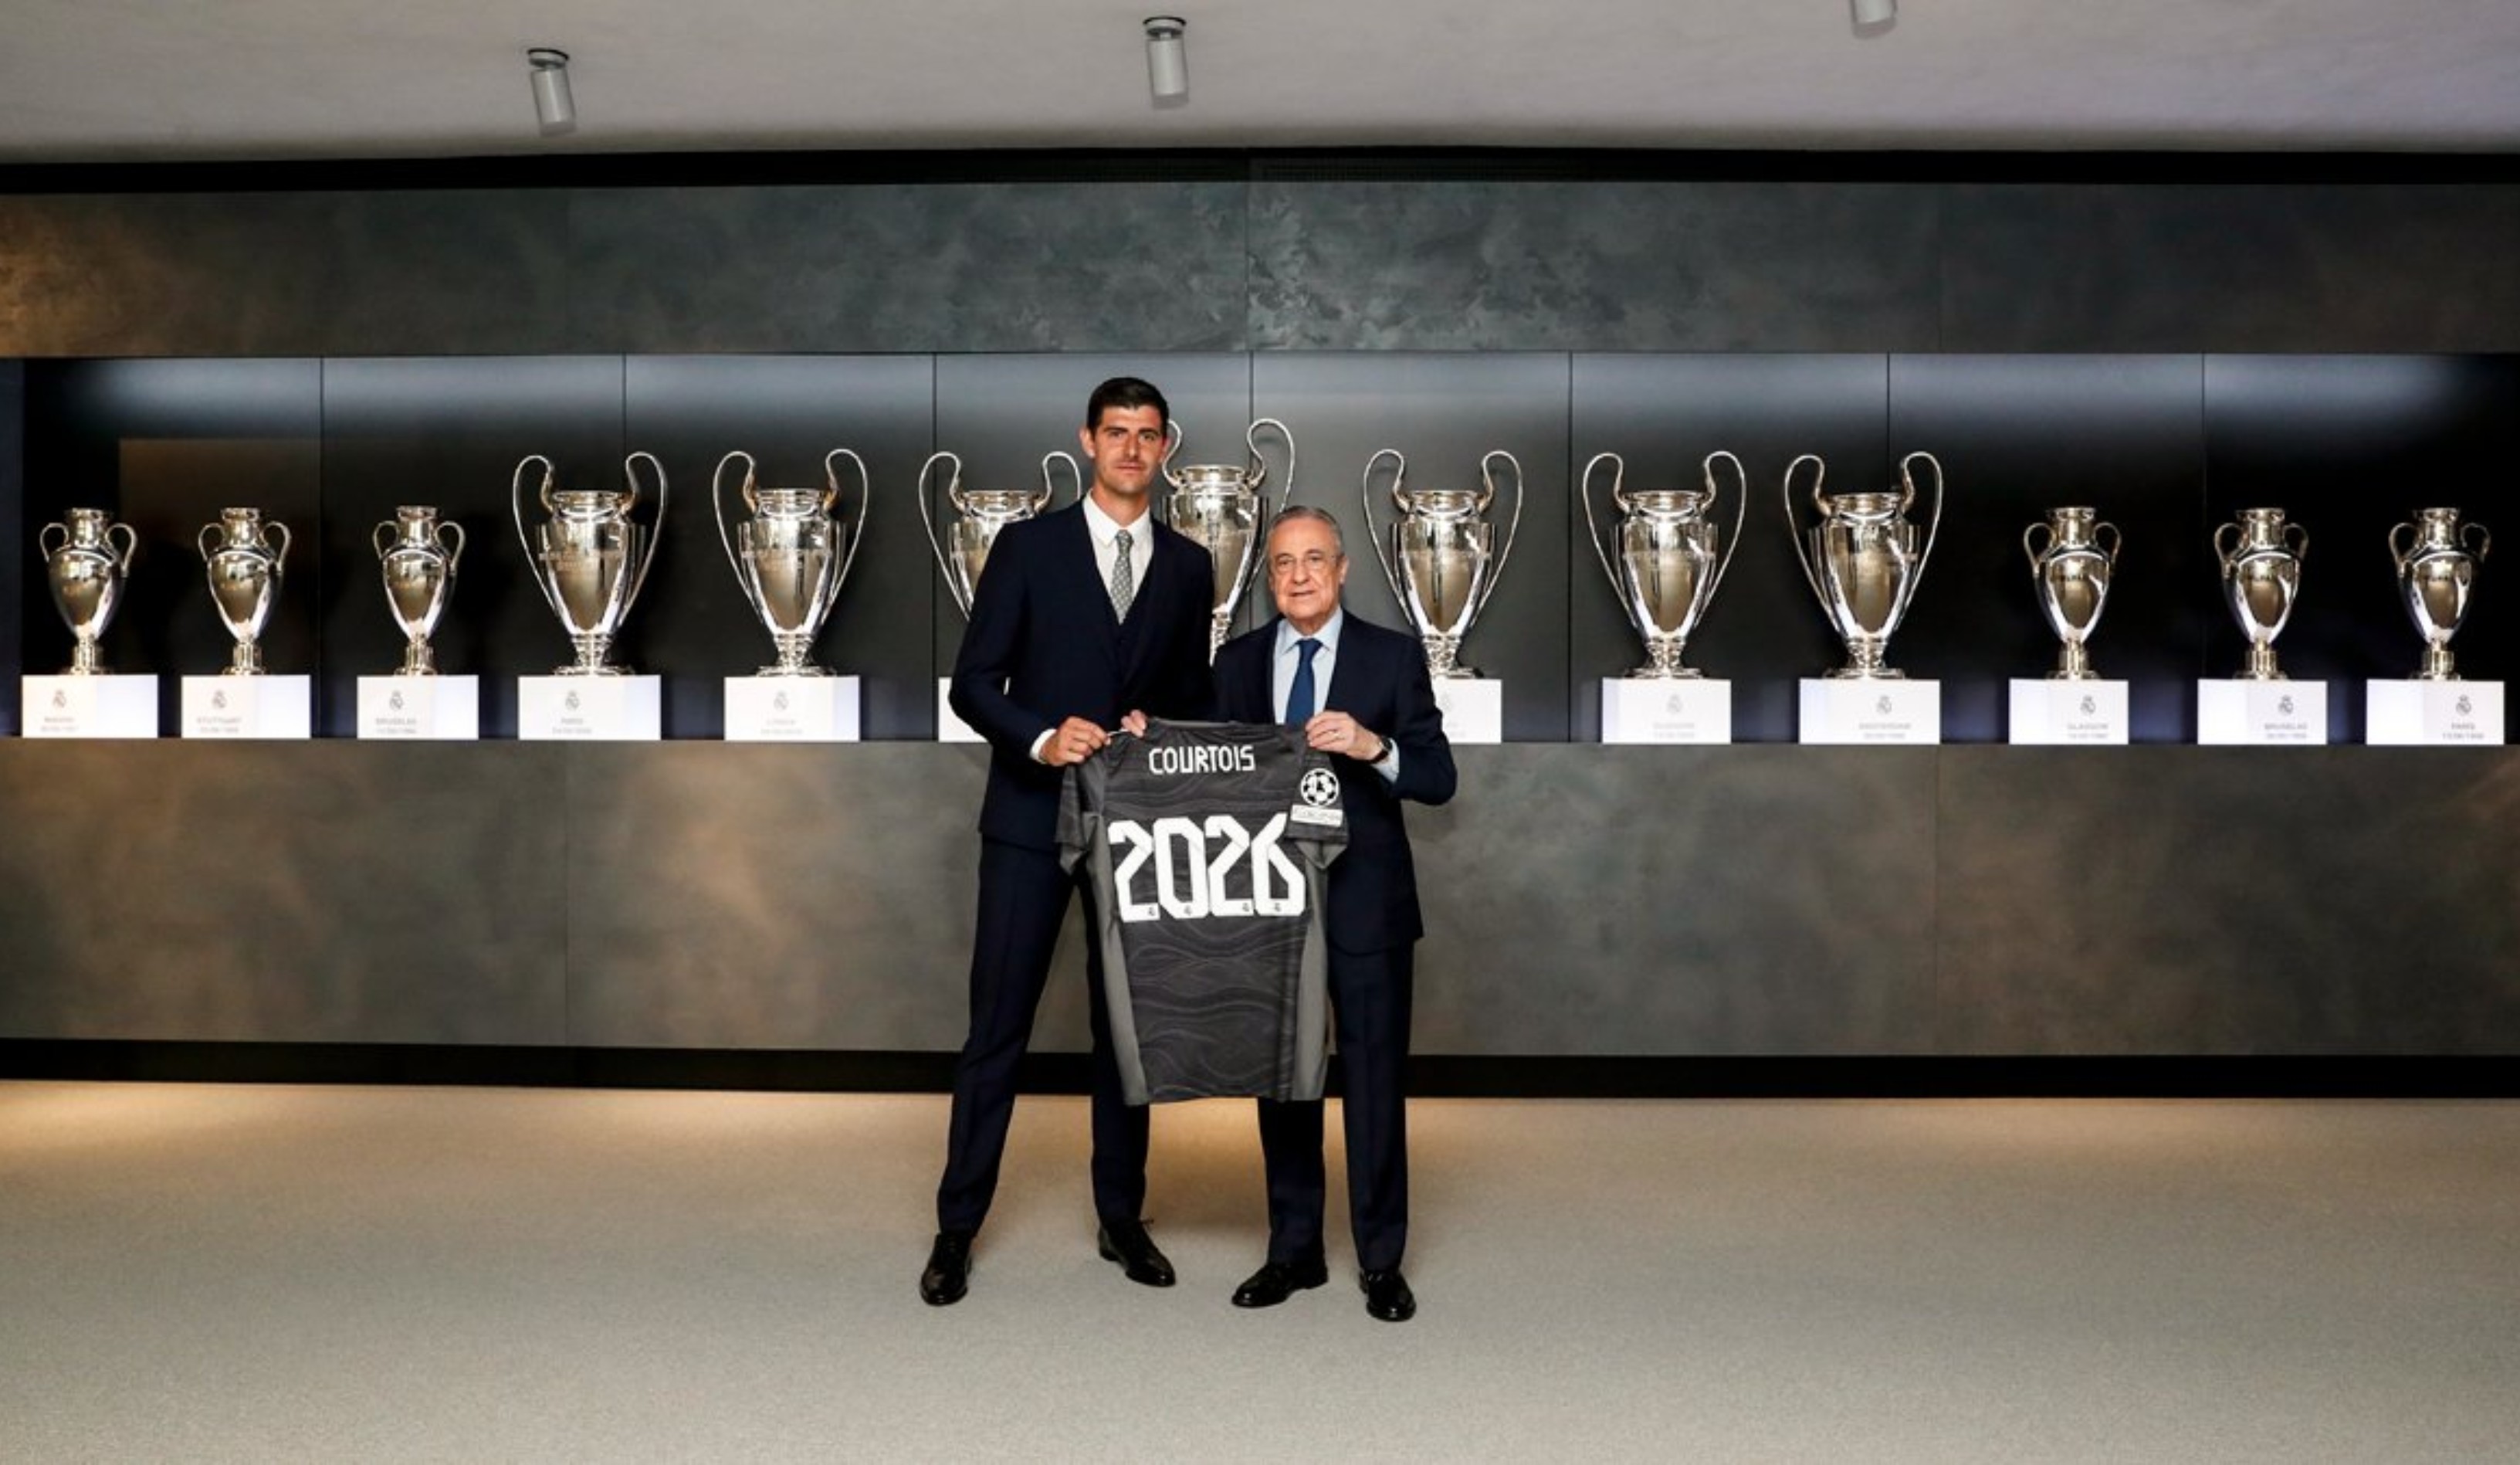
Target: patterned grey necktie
column 1124, row 579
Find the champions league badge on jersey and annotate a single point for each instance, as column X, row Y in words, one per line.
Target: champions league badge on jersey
column 1319, row 791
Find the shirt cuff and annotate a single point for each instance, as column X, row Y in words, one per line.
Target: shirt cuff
column 1389, row 767
column 1040, row 743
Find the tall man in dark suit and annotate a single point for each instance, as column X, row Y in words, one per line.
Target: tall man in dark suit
column 1362, row 695
column 1083, row 619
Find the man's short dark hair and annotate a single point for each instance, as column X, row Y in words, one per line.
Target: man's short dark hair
column 1125, row 392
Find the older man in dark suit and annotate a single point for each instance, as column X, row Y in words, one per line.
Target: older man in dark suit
column 1362, row 695
column 1083, row 619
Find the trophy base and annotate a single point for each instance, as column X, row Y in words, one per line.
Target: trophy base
column 251, row 705
column 2433, row 713
column 2075, row 710
column 2261, row 666
column 1666, row 709
column 2259, row 713
column 804, row 671
column 1474, row 709
column 427, row 707
column 1871, row 711
column 2437, row 665
column 949, row 727
column 1675, row 673
column 575, row 670
column 88, row 705
column 2073, row 665
column 87, row 658
column 417, row 660
column 784, row 708
column 614, row 707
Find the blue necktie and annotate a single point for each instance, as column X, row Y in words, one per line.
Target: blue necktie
column 1300, row 698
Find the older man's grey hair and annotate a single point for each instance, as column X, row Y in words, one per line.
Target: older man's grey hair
column 1306, row 512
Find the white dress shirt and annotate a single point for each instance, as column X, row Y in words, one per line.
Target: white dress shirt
column 1105, row 532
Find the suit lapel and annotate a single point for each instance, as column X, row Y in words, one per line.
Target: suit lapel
column 1256, row 686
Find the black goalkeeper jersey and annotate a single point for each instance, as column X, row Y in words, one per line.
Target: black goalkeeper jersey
column 1207, row 845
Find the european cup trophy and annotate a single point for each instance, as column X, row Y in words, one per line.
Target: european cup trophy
column 244, row 555
column 1220, row 508
column 1863, row 559
column 588, row 557
column 86, row 568
column 1666, row 556
column 979, row 514
column 2070, row 570
column 2260, row 580
column 418, row 553
column 790, row 556
column 2436, row 575
column 1444, row 559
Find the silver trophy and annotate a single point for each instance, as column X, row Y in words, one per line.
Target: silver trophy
column 791, row 555
column 87, row 568
column 2436, row 575
column 1442, row 561
column 1220, row 508
column 419, row 553
column 243, row 555
column 1666, row 565
column 590, row 557
column 981, row 512
column 2261, row 579
column 2070, row 569
column 1863, row 559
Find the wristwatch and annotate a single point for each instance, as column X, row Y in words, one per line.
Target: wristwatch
column 1389, row 750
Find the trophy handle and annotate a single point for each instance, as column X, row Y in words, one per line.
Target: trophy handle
column 2395, row 551
column 1050, row 489
column 1794, row 525
column 2116, row 540
column 1740, row 510
column 2484, row 539
column 1374, row 534
column 656, row 528
column 2035, row 550
column 1521, row 491
column 1908, row 485
column 927, row 516
column 866, row 500
column 202, row 541
column 2225, row 552
column 1259, row 464
column 1174, row 433
column 525, row 541
column 1591, row 527
column 45, row 548
column 281, row 530
column 131, row 543
column 2301, row 550
column 717, row 506
column 455, row 551
column 377, row 537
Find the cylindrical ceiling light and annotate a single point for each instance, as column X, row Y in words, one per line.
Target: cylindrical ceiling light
column 1167, row 60
column 1876, row 14
column 553, row 107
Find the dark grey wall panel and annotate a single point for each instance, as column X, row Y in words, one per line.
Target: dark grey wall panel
column 2232, row 267
column 316, row 893
column 1485, row 265
column 1444, row 413
column 1663, row 415
column 2228, row 901
column 996, row 267
column 17, row 539
column 780, row 897
column 282, row 273
column 1745, row 901
column 787, row 412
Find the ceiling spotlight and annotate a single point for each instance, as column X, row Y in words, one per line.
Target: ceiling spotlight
column 553, row 107
column 1167, row 60
column 1873, row 17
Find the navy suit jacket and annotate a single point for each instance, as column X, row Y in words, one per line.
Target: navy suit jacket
column 1381, row 680
column 1042, row 646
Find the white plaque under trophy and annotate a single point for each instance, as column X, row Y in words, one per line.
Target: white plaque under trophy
column 424, row 708
column 261, row 705
column 1474, row 710
column 93, row 706
column 1871, row 711
column 2050, row 711
column 791, row 708
column 1666, row 709
column 2425, row 713
column 2251, row 713
column 590, row 709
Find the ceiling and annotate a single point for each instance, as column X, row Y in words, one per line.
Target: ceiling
column 85, row 80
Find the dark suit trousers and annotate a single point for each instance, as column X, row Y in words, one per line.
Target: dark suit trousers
column 1370, row 997
column 1024, row 900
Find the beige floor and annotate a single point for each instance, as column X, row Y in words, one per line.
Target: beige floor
column 352, row 1274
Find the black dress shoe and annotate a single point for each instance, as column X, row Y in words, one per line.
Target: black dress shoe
column 1278, row 1281
column 1127, row 1243
column 949, row 1269
column 1387, row 1296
